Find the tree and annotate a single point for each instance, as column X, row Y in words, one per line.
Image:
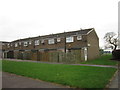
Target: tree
column 111, row 40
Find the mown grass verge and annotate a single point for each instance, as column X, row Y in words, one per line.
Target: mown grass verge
column 74, row 76
column 103, row 60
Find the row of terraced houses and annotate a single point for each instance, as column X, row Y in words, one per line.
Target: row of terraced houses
column 67, row 47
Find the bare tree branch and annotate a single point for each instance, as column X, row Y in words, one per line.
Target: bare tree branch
column 111, row 39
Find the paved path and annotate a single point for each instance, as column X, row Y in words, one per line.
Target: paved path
column 16, row 81
column 96, row 65
column 63, row 63
column 115, row 82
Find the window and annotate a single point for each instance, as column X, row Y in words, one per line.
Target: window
column 30, row 42
column 69, row 39
column 37, row 42
column 58, row 39
column 42, row 41
column 51, row 41
column 3, row 44
column 19, row 43
column 79, row 37
column 11, row 44
column 8, row 45
column 16, row 44
column 25, row 43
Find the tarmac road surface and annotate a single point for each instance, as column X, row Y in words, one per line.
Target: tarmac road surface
column 15, row 81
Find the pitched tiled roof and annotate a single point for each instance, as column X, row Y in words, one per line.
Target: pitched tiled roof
column 82, row 31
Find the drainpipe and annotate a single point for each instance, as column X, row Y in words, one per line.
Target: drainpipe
column 65, row 42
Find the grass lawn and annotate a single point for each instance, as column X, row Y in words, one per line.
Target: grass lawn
column 71, row 75
column 103, row 60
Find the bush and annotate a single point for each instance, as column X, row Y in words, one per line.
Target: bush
column 101, row 51
column 116, row 54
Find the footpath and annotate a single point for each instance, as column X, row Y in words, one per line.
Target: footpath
column 63, row 63
column 15, row 81
column 115, row 81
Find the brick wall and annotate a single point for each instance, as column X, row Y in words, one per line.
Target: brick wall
column 55, row 52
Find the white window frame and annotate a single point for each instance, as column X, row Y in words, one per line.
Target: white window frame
column 8, row 45
column 79, row 37
column 30, row 42
column 69, row 39
column 16, row 44
column 51, row 41
column 37, row 42
column 42, row 41
column 11, row 44
column 3, row 44
column 25, row 43
column 20, row 43
column 58, row 39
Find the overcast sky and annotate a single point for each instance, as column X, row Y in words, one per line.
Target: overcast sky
column 29, row 18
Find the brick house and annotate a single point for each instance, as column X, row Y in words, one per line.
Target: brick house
column 68, row 47
column 3, row 49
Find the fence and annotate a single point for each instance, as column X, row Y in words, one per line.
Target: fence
column 56, row 56
column 74, row 56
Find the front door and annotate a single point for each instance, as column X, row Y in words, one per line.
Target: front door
column 85, row 53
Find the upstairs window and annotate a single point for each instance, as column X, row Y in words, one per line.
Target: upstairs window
column 51, row 41
column 69, row 39
column 79, row 37
column 16, row 44
column 25, row 44
column 30, row 42
column 58, row 39
column 3, row 44
column 42, row 41
column 37, row 42
column 8, row 45
column 19, row 43
column 11, row 44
